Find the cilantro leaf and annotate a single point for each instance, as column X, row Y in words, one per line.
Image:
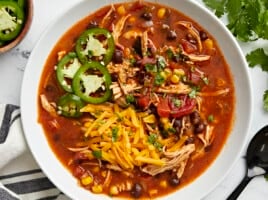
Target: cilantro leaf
column 258, row 57
column 265, row 100
column 217, row 6
column 97, row 154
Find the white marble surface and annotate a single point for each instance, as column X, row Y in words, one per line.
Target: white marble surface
column 12, row 65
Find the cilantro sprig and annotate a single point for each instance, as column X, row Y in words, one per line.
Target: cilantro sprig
column 248, row 21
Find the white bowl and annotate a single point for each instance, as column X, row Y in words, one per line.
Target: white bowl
column 200, row 187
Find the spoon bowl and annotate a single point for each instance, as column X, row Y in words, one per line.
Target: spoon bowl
column 256, row 160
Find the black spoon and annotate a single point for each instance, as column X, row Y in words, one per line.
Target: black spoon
column 256, row 158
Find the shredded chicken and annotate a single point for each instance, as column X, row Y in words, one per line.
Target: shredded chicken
column 173, row 160
column 216, row 93
column 107, row 16
column 189, row 26
column 118, row 28
column 49, row 107
column 144, row 43
column 108, row 179
column 207, row 137
column 174, row 89
column 197, row 58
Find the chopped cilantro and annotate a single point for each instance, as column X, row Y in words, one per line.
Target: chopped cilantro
column 97, row 154
column 248, row 21
column 161, row 63
column 193, row 93
column 205, row 80
column 177, row 102
column 258, row 57
column 170, row 54
column 150, row 67
column 158, row 79
column 130, row 99
column 114, row 134
column 152, row 139
column 210, row 118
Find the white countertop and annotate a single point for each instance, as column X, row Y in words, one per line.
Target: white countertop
column 13, row 63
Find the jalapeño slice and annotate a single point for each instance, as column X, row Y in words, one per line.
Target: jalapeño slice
column 92, row 83
column 95, row 44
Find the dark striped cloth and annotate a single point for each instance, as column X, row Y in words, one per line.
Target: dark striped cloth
column 20, row 176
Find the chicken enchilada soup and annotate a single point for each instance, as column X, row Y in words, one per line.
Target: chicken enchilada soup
column 136, row 100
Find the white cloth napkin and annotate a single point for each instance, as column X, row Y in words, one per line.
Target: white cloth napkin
column 20, row 176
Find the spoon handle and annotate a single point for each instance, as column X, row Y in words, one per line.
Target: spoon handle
column 239, row 188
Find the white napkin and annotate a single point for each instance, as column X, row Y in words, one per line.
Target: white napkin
column 20, row 176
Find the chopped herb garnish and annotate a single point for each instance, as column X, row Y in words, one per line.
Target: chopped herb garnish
column 210, row 118
column 130, row 99
column 177, row 102
column 158, row 79
column 161, row 63
column 193, row 93
column 114, row 134
column 97, row 154
column 170, row 53
column 205, row 80
column 171, row 130
column 152, row 139
column 151, row 68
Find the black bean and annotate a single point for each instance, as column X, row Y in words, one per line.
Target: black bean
column 177, row 123
column 147, row 16
column 171, row 35
column 136, row 190
column 199, row 128
column 195, row 117
column 174, row 181
column 203, row 35
column 114, row 77
column 118, row 56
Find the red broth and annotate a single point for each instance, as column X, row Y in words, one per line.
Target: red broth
column 200, row 117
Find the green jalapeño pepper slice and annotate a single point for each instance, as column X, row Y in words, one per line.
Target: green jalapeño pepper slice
column 66, row 69
column 95, row 44
column 11, row 20
column 92, row 83
column 69, row 105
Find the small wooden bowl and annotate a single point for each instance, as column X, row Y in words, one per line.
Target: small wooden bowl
column 25, row 29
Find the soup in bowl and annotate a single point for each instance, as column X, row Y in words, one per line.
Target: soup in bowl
column 137, row 100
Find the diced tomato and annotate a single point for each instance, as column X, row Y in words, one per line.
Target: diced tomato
column 188, row 46
column 79, row 171
column 187, row 106
column 144, row 101
column 195, row 77
column 163, row 108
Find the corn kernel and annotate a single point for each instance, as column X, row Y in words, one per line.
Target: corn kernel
column 86, row 180
column 161, row 13
column 164, row 120
column 153, row 192
column 114, row 190
column 104, row 173
column 175, row 79
column 96, row 169
column 163, row 183
column 168, row 72
column 121, row 10
column 149, row 119
column 163, row 74
column 179, row 72
column 97, row 188
column 132, row 19
column 208, row 43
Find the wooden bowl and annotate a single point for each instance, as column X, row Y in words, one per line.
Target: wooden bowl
column 25, row 29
